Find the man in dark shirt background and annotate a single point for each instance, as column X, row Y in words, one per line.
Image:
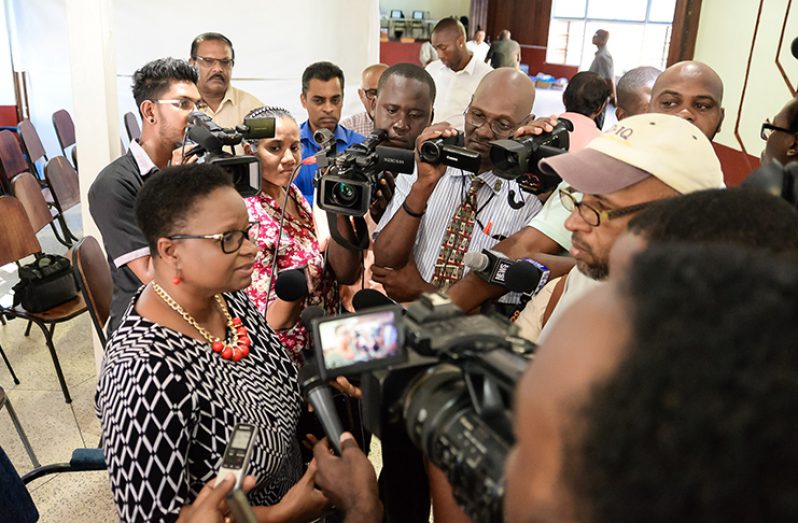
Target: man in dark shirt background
column 504, row 52
column 165, row 91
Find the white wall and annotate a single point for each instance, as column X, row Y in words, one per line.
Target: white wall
column 6, row 79
column 437, row 8
column 274, row 42
column 725, row 39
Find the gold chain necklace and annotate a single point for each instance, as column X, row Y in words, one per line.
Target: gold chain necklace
column 235, row 348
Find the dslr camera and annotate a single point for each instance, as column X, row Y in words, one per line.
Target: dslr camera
column 457, row 408
column 517, row 159
column 347, row 182
column 211, row 139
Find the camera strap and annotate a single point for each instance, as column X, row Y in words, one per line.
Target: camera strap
column 361, row 233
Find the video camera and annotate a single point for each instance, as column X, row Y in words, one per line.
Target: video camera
column 518, row 158
column 211, row 139
column 457, row 409
column 346, row 182
column 451, row 152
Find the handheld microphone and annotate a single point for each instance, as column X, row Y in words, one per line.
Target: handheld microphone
column 524, row 276
column 368, row 299
column 291, row 284
column 317, row 393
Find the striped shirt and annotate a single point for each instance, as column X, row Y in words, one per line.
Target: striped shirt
column 496, row 218
column 361, row 123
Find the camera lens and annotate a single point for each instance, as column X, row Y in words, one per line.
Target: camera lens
column 344, row 194
column 430, row 151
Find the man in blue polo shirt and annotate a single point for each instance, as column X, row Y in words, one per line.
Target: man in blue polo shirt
column 323, row 97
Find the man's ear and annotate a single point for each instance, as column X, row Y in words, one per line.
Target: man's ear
column 722, row 116
column 792, row 147
column 248, row 149
column 147, row 111
column 304, row 99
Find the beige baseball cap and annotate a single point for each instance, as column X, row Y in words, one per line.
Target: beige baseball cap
column 661, row 145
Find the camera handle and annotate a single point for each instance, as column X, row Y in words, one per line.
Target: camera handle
column 361, row 233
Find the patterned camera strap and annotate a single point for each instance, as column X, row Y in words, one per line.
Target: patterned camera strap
column 449, row 265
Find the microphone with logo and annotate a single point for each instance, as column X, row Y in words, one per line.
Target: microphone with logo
column 315, row 390
column 525, row 276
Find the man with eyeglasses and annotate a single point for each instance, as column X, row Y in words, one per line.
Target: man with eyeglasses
column 165, row 92
column 640, row 160
column 213, row 56
column 781, row 135
column 410, row 255
column 363, row 123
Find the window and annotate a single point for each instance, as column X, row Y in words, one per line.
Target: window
column 640, row 32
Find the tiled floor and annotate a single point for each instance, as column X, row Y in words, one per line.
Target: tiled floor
column 54, row 427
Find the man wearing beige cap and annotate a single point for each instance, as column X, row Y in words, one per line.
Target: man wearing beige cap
column 641, row 159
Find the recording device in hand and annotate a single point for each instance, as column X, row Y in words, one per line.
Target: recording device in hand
column 292, row 284
column 457, row 410
column 236, row 456
column 211, row 139
column 525, row 276
column 451, row 152
column 347, row 182
column 517, row 159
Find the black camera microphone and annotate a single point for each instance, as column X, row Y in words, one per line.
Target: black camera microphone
column 369, row 298
column 291, row 284
column 317, row 393
column 524, row 276
column 794, row 48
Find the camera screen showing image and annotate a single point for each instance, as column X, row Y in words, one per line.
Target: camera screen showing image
column 356, row 343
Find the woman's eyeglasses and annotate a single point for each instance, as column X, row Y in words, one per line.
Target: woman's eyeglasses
column 229, row 241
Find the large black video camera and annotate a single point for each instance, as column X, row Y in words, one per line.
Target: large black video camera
column 348, row 181
column 518, row 158
column 457, row 409
column 211, row 139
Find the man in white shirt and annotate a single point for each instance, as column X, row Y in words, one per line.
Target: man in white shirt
column 479, row 46
column 457, row 74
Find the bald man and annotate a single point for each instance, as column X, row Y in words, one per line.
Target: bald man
column 634, row 91
column 410, row 257
column 456, row 74
column 603, row 64
column 363, row 123
column 693, row 91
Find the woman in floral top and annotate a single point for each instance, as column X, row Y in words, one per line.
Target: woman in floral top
column 298, row 244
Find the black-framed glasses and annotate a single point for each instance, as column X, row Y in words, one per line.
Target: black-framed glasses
column 226, row 63
column 229, row 241
column 592, row 216
column 370, row 93
column 477, row 119
column 768, row 128
column 184, row 104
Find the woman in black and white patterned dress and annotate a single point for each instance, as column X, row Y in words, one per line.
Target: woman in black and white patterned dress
column 193, row 357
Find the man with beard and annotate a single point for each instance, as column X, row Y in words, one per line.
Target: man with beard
column 213, row 56
column 165, row 91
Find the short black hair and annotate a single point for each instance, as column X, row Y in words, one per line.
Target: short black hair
column 211, row 36
column 154, row 78
column 412, row 71
column 323, row 71
column 167, row 197
column 630, row 84
column 699, row 420
column 586, row 93
column 450, row 23
column 746, row 217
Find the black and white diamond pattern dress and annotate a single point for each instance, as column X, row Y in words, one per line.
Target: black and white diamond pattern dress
column 168, row 404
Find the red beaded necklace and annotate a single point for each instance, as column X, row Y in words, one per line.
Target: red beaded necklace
column 235, row 347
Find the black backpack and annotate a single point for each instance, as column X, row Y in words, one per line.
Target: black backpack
column 44, row 283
